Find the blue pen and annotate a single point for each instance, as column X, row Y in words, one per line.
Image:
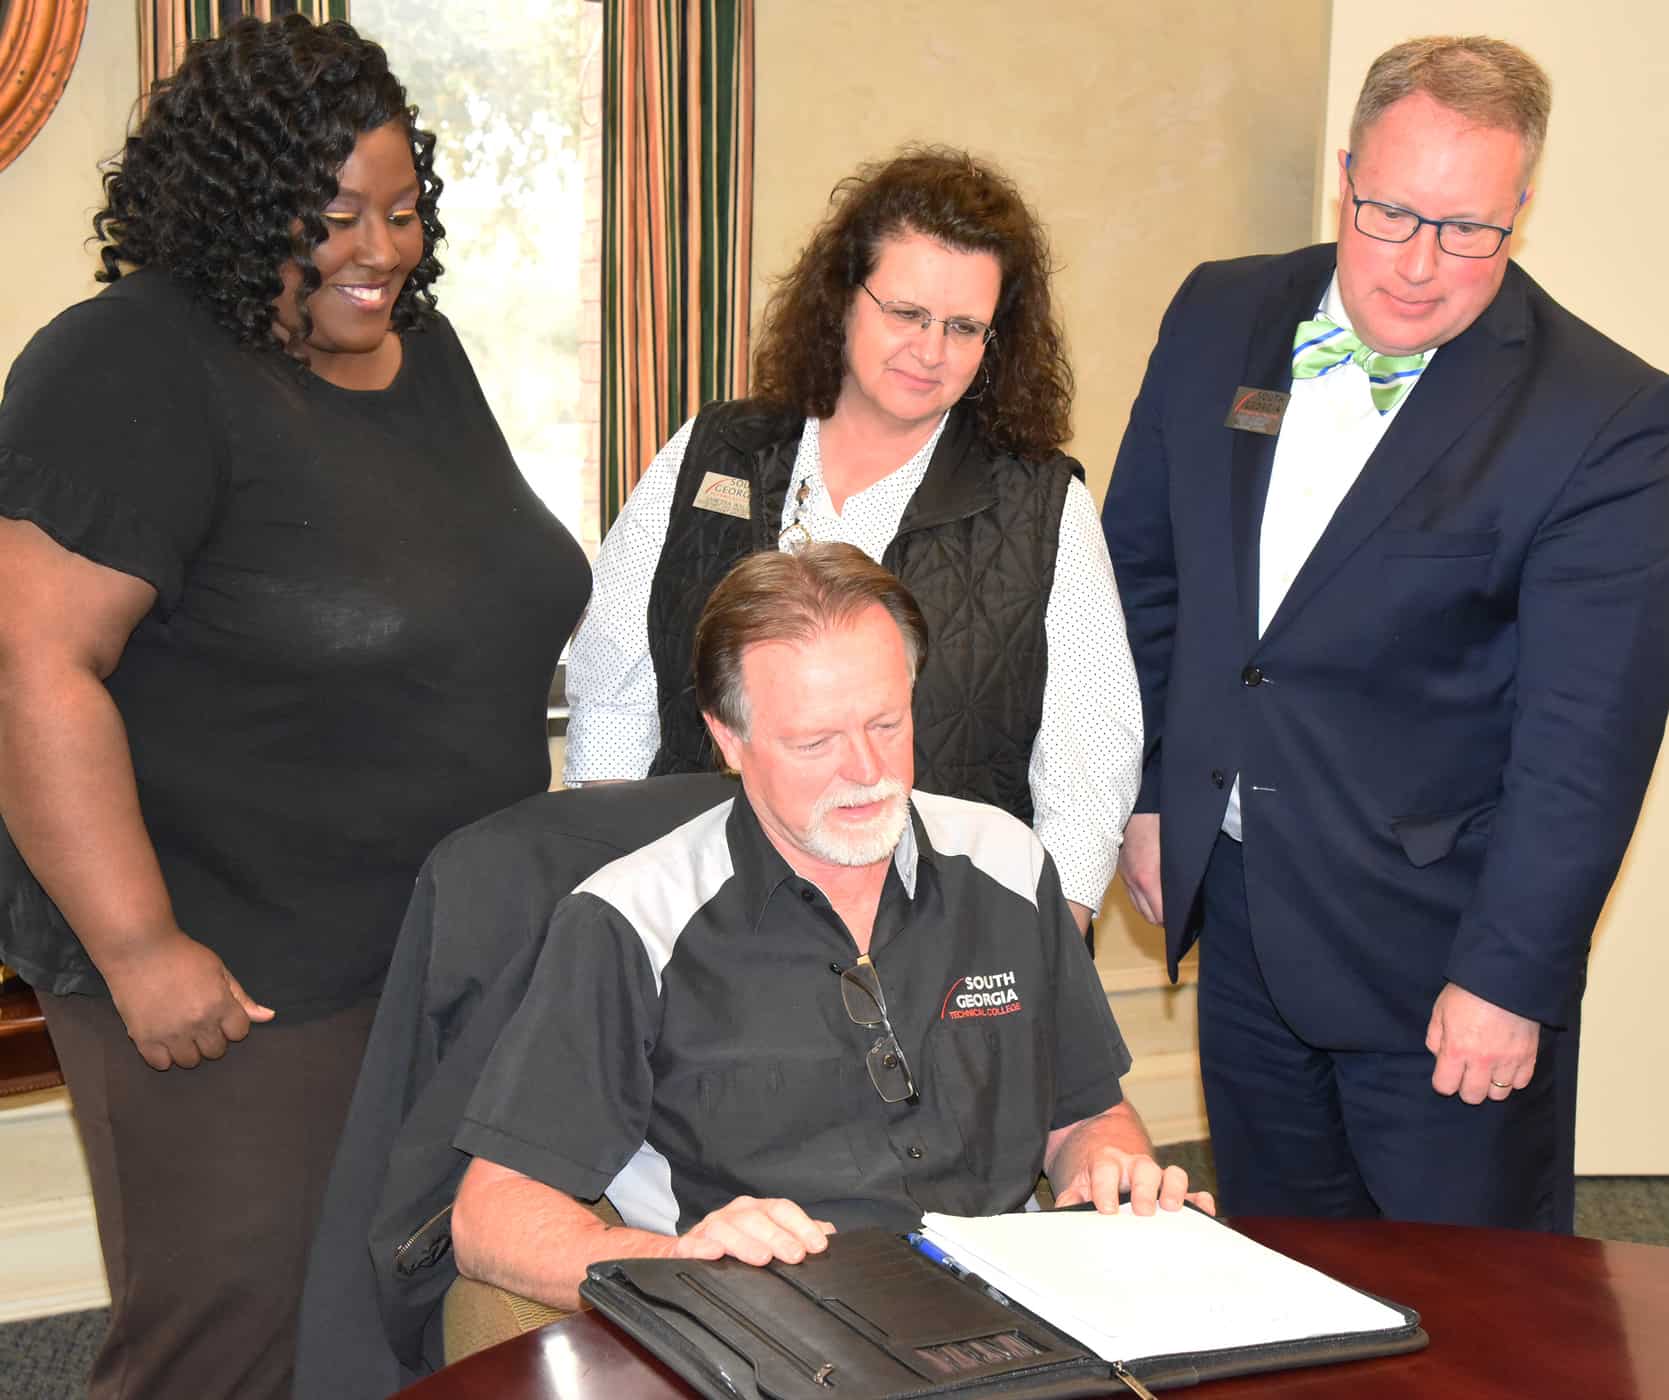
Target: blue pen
column 922, row 1245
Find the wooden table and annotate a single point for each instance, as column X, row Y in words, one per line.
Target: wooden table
column 1511, row 1315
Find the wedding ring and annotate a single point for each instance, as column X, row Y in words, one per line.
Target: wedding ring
column 1499, row 1085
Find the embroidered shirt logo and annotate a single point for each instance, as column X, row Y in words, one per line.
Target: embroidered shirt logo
column 980, row 994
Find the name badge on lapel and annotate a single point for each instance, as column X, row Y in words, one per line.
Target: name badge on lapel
column 1257, row 410
column 724, row 495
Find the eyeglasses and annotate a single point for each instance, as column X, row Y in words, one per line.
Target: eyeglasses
column 907, row 316
column 860, row 990
column 1461, row 238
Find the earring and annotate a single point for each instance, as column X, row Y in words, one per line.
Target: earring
column 984, row 384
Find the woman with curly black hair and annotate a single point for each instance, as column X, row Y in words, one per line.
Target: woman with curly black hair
column 277, row 612
column 911, row 396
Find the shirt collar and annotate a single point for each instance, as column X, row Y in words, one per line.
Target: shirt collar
column 1332, row 307
column 906, row 477
column 909, row 852
column 760, row 869
column 1332, row 304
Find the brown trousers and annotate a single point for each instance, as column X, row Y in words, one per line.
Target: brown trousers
column 207, row 1183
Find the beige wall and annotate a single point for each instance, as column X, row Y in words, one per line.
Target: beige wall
column 1604, row 160
column 48, row 194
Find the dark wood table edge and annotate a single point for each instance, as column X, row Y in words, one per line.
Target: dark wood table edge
column 587, row 1346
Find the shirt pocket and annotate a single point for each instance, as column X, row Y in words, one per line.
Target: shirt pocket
column 998, row 1084
column 765, row 1128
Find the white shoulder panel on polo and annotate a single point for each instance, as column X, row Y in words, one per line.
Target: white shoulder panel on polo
column 1000, row 845
column 658, row 889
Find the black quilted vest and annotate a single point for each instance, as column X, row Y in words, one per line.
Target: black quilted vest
column 976, row 546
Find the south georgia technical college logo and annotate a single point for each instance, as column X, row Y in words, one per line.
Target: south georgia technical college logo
column 981, row 994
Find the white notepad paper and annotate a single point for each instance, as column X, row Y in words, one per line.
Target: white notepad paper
column 1129, row 1286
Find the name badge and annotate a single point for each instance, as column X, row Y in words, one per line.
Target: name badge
column 1257, row 410
column 724, row 495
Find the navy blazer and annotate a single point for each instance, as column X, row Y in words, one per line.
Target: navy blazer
column 1444, row 736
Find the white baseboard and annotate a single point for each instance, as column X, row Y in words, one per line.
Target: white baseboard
column 51, row 1249
column 48, row 1237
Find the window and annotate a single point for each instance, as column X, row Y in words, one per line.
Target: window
column 513, row 94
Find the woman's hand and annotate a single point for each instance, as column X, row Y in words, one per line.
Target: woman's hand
column 179, row 1003
column 69, row 801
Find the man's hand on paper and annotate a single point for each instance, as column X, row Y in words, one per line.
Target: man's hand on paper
column 1099, row 1159
column 756, row 1232
column 1109, row 1173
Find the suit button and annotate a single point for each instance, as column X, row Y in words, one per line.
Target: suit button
column 1251, row 676
column 1217, row 778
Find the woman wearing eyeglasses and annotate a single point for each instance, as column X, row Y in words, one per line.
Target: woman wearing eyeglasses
column 911, row 395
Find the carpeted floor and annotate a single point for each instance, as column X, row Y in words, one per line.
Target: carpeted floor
column 50, row 1359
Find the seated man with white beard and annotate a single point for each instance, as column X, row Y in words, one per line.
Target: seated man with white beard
column 831, row 1002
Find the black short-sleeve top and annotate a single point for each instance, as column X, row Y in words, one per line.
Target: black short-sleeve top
column 684, row 1040
column 360, row 604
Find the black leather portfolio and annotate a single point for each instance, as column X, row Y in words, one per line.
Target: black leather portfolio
column 872, row 1318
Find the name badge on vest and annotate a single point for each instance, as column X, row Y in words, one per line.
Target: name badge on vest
column 724, row 495
column 1257, row 410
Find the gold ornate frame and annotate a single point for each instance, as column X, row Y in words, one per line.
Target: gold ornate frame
column 39, row 40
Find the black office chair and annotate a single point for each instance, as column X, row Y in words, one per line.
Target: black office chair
column 372, row 1314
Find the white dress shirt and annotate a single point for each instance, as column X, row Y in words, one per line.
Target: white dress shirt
column 1330, row 430
column 1086, row 760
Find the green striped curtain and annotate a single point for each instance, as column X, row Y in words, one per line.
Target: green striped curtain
column 167, row 26
column 677, row 222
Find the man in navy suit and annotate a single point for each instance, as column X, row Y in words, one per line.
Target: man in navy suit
column 1391, row 529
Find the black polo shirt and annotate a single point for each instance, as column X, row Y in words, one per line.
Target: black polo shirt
column 684, row 1040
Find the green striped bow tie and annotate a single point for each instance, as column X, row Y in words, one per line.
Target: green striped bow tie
column 1322, row 345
